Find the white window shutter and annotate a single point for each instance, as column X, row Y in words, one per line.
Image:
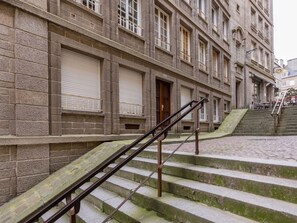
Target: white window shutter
column 80, row 81
column 186, row 98
column 130, row 91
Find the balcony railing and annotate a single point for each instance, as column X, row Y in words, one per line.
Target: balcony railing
column 94, row 5
column 202, row 66
column 254, row 27
column 185, row 56
column 131, row 109
column 130, row 25
column 163, row 44
column 79, row 103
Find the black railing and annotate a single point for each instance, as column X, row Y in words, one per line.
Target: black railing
column 74, row 205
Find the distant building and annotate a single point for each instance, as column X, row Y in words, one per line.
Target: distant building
column 288, row 76
column 252, row 52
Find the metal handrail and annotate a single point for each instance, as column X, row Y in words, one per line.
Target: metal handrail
column 277, row 114
column 159, row 166
column 75, row 203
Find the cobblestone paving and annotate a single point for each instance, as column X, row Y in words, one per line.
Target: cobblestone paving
column 263, row 147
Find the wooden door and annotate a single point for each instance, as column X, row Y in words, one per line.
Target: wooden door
column 162, row 100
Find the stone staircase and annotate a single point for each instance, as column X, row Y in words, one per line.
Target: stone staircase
column 197, row 189
column 256, row 122
column 288, row 121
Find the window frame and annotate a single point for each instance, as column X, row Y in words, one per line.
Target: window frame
column 126, row 18
column 202, row 55
column 215, row 62
column 158, row 28
column 185, row 44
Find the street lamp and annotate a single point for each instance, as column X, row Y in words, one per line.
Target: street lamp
column 245, row 78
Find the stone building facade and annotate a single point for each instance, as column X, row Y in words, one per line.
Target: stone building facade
column 74, row 73
column 252, row 52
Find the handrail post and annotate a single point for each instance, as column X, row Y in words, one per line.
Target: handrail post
column 72, row 213
column 159, row 163
column 197, row 141
column 197, row 132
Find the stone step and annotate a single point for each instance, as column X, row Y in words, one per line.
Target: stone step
column 277, row 168
column 253, row 129
column 89, row 213
column 287, row 128
column 47, row 215
column 278, row 188
column 287, row 133
column 129, row 213
column 172, row 207
column 241, row 203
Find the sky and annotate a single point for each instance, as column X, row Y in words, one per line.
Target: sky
column 285, row 29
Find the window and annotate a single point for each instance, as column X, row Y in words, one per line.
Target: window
column 215, row 17
column 185, row 44
column 130, row 92
column 261, row 56
column 238, row 8
column 80, row 82
column 266, row 4
column 129, row 15
column 226, row 70
column 215, row 63
column 185, row 98
column 253, row 53
column 202, row 111
column 94, row 5
column 215, row 110
column 266, row 31
column 266, row 60
column 260, row 24
column 201, row 8
column 162, row 29
column 253, row 18
column 202, row 55
column 226, row 106
column 225, row 28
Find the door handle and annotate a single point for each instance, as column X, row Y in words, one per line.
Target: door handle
column 162, row 107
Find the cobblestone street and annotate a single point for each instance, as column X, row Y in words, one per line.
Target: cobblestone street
column 274, row 147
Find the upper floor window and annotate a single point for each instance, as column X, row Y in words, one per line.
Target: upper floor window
column 253, row 53
column 200, row 4
column 215, row 17
column 266, row 30
column 185, row 44
column 226, row 70
column 261, row 56
column 266, row 7
column 253, row 18
column 260, row 24
column 266, row 4
column 162, row 29
column 266, row 60
column 225, row 28
column 94, row 5
column 215, row 63
column 202, row 55
column 129, row 15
